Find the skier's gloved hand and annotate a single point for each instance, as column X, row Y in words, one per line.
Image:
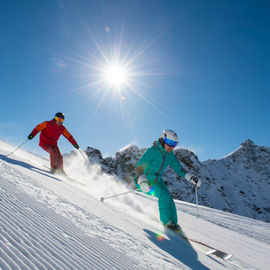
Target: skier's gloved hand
column 144, row 185
column 193, row 179
column 76, row 146
column 30, row 137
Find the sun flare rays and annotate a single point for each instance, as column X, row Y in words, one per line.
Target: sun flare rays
column 118, row 74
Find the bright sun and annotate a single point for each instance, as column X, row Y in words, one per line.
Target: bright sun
column 116, row 75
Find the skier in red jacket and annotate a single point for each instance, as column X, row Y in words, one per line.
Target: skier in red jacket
column 50, row 133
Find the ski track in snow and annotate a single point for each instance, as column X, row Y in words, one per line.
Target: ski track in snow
column 50, row 223
column 34, row 237
column 114, row 237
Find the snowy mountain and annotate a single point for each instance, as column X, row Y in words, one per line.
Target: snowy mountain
column 238, row 183
column 53, row 222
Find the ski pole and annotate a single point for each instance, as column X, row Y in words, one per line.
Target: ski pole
column 102, row 199
column 87, row 160
column 196, row 197
column 17, row 148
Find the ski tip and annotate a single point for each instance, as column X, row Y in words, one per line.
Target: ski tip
column 227, row 257
column 223, row 255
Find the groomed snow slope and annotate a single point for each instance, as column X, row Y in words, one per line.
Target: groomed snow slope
column 48, row 222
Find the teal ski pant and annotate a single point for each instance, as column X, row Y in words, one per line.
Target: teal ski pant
column 167, row 209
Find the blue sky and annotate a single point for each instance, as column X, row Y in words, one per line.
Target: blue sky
column 201, row 68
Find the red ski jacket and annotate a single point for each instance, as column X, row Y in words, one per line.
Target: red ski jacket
column 50, row 133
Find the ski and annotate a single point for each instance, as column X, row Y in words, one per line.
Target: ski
column 60, row 175
column 208, row 250
column 202, row 247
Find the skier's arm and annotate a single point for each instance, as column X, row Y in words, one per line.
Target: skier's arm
column 143, row 163
column 70, row 138
column 177, row 167
column 179, row 170
column 37, row 129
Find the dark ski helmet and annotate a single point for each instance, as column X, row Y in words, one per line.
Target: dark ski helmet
column 60, row 115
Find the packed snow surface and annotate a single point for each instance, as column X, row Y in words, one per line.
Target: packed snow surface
column 52, row 222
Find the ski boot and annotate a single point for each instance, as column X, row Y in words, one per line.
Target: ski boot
column 170, row 226
column 58, row 171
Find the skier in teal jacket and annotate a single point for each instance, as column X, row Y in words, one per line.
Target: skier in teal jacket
column 149, row 171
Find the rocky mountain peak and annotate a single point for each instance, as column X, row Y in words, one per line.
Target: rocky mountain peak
column 93, row 153
column 248, row 142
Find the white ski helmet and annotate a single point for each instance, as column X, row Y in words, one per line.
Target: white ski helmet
column 169, row 137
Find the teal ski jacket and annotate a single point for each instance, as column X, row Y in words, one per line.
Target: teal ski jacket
column 154, row 162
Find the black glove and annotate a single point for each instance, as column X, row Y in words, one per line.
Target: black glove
column 30, row 137
column 76, row 146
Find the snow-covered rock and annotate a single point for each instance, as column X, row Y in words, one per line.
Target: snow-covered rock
column 241, row 181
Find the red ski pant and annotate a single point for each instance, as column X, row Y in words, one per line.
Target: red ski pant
column 55, row 156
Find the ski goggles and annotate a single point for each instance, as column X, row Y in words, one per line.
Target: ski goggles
column 58, row 119
column 170, row 143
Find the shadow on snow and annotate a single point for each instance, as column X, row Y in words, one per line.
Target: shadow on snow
column 179, row 249
column 27, row 166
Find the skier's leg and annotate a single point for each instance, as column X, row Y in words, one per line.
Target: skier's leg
column 59, row 158
column 167, row 209
column 54, row 155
